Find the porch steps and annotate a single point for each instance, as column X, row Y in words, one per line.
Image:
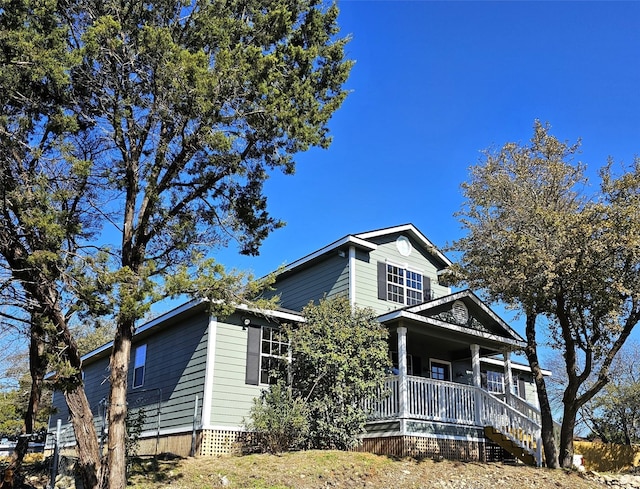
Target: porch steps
column 510, row 445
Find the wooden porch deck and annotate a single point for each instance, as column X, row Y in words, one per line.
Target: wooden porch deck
column 419, row 398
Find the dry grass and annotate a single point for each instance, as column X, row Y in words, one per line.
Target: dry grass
column 333, row 469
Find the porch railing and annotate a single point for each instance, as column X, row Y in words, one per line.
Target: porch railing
column 523, row 407
column 461, row 404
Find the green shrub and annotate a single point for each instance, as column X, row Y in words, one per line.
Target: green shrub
column 278, row 419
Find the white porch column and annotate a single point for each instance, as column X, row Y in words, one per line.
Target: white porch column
column 508, row 377
column 477, row 383
column 402, row 368
column 475, row 365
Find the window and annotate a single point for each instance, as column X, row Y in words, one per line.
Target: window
column 516, row 386
column 401, row 285
column 495, row 382
column 138, row 366
column 394, row 361
column 440, row 370
column 274, row 348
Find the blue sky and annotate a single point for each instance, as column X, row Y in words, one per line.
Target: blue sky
column 435, row 83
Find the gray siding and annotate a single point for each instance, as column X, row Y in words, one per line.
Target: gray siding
column 231, row 397
column 174, row 375
column 328, row 277
column 96, row 388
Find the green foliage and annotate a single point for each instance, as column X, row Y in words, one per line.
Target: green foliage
column 162, row 120
column 340, row 356
column 134, row 422
column 278, row 419
column 613, row 415
column 13, row 405
column 538, row 242
column 92, row 336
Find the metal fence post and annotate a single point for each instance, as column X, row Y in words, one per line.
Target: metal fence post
column 56, row 455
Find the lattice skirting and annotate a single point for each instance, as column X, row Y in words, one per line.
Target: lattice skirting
column 222, row 442
column 424, row 447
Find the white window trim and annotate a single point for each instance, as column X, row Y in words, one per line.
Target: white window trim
column 406, row 268
column 494, row 383
column 137, row 365
column 268, row 355
column 441, row 362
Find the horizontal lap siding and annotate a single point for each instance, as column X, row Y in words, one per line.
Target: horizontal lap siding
column 176, row 364
column 231, row 397
column 327, row 278
column 96, row 381
column 174, row 375
column 367, row 272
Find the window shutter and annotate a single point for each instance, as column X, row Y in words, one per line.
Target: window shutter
column 382, row 280
column 427, row 289
column 252, row 374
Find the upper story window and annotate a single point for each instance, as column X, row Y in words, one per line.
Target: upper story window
column 401, row 285
column 139, row 363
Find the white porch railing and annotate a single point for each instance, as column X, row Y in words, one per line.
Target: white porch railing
column 461, row 404
column 523, row 407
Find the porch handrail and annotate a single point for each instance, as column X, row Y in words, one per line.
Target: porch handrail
column 510, row 422
column 449, row 402
column 386, row 403
column 526, row 408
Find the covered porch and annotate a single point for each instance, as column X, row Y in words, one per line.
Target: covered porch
column 439, row 388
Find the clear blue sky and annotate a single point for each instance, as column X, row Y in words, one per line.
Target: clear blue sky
column 435, row 83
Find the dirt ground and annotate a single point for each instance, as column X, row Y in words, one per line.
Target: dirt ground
column 332, row 469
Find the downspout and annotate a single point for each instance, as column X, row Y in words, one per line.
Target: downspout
column 352, row 276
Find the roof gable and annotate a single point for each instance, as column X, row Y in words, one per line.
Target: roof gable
column 477, row 316
column 461, row 312
column 413, row 232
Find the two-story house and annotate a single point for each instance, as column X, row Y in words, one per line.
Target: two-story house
column 456, row 394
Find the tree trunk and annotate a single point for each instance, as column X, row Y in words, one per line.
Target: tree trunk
column 566, row 434
column 116, row 462
column 86, row 440
column 548, row 438
column 37, row 369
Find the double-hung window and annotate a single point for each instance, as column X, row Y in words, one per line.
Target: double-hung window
column 400, row 284
column 495, row 382
column 274, row 349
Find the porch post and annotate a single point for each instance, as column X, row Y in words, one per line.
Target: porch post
column 508, row 377
column 477, row 383
column 475, row 365
column 402, row 368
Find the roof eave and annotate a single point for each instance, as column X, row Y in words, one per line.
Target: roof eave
column 416, row 234
column 349, row 240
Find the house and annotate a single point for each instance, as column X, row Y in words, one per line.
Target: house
column 457, row 393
